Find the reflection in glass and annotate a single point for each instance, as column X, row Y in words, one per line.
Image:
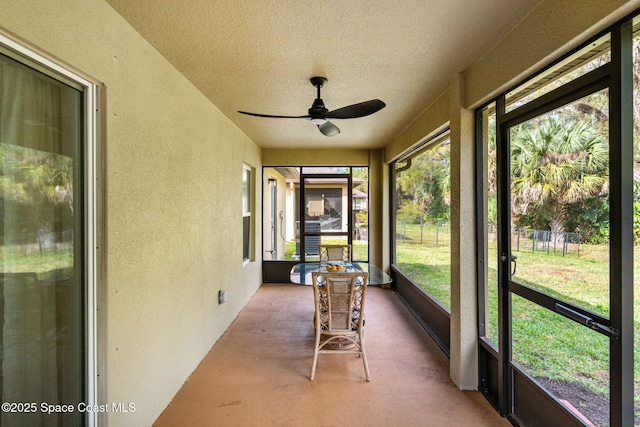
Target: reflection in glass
column 570, row 360
column 41, row 329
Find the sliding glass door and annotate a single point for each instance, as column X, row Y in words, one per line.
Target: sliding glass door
column 47, row 351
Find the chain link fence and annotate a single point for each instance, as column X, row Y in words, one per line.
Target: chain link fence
column 525, row 239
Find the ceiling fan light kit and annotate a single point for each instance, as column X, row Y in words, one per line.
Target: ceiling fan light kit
column 318, row 114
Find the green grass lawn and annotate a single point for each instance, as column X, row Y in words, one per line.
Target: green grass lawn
column 28, row 259
column 544, row 343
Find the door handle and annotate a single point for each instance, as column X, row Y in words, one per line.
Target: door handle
column 503, row 258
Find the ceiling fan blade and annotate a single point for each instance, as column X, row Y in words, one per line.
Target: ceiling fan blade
column 356, row 110
column 272, row 116
column 318, row 113
column 328, row 129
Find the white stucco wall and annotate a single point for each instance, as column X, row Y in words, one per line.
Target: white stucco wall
column 173, row 182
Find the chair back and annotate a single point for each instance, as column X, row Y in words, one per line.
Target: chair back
column 335, row 253
column 339, row 317
column 339, row 301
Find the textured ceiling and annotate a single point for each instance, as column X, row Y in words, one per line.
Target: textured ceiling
column 258, row 56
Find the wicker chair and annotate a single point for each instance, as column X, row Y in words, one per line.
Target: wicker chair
column 335, row 253
column 339, row 301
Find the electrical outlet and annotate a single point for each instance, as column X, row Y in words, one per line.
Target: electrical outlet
column 222, row 296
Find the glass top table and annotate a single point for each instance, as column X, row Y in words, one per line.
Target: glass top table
column 301, row 273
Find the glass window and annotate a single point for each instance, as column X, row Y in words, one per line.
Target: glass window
column 422, row 234
column 42, row 232
column 247, row 207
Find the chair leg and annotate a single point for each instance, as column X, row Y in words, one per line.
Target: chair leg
column 364, row 357
column 366, row 365
column 315, row 355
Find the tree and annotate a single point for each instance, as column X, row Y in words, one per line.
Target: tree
column 423, row 190
column 556, row 162
column 33, row 183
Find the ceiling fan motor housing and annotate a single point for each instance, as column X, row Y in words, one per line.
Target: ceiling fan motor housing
column 318, row 107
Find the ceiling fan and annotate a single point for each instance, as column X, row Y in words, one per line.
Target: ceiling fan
column 319, row 114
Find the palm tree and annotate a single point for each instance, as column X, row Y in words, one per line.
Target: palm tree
column 31, row 176
column 35, row 182
column 556, row 162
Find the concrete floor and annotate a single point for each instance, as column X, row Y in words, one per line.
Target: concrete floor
column 257, row 374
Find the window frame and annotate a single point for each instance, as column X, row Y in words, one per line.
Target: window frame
column 248, row 208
